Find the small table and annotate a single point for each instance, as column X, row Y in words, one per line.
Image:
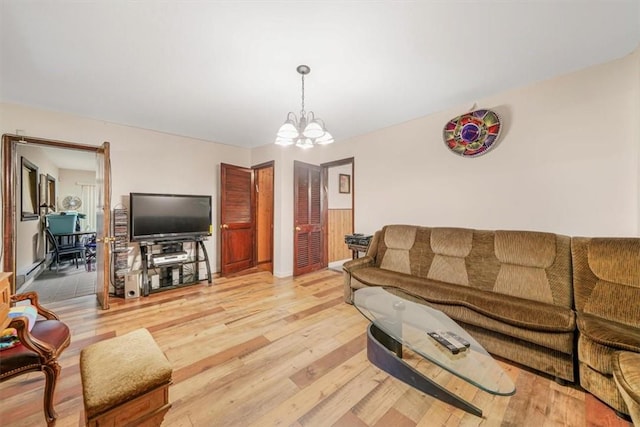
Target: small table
column 397, row 321
column 355, row 249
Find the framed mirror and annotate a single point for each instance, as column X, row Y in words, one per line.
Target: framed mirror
column 51, row 193
column 47, row 193
column 29, row 191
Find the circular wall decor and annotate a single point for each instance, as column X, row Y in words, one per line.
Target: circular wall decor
column 473, row 133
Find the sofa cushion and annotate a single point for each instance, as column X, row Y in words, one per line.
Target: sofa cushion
column 514, row 311
column 556, row 340
column 626, row 372
column 616, row 335
column 450, row 247
column 524, row 258
column 398, row 239
column 607, row 278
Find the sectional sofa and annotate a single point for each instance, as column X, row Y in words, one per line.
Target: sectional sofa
column 563, row 306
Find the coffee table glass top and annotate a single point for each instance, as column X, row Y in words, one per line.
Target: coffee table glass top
column 410, row 323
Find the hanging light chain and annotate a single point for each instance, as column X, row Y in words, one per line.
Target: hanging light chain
column 302, row 111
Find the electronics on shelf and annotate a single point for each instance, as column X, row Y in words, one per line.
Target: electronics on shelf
column 168, row 258
column 357, row 239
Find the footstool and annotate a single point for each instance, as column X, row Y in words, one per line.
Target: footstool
column 125, row 381
column 626, row 372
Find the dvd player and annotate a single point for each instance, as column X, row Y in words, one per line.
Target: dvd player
column 169, row 257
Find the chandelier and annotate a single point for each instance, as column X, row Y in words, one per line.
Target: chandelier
column 306, row 132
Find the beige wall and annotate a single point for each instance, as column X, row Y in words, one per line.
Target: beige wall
column 567, row 162
column 30, row 242
column 336, row 199
column 68, row 183
column 141, row 160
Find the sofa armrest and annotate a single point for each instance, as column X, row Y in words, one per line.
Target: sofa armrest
column 354, row 264
column 350, row 266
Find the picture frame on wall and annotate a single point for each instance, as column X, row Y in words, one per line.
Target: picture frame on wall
column 344, row 183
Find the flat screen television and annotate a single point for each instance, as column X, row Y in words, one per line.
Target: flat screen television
column 155, row 217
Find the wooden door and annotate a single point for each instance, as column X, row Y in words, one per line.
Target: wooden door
column 103, row 221
column 308, row 241
column 237, row 227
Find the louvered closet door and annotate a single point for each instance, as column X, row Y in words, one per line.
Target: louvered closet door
column 308, row 245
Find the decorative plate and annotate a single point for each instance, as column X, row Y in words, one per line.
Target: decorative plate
column 472, row 134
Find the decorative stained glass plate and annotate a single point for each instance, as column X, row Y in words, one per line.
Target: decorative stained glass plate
column 472, row 134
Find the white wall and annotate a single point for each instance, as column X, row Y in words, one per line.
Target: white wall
column 567, row 162
column 30, row 242
column 67, row 184
column 336, row 199
column 141, row 160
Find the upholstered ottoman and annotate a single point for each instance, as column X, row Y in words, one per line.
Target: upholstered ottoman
column 125, row 381
column 626, row 372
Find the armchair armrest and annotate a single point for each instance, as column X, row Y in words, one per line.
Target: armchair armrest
column 33, row 297
column 21, row 324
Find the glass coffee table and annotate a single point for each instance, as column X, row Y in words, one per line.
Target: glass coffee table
column 396, row 321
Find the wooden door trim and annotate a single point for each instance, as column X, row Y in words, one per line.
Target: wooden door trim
column 270, row 164
column 325, row 201
column 9, row 168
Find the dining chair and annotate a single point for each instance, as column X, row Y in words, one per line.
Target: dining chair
column 75, row 250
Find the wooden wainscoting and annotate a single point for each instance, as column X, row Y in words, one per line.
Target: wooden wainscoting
column 340, row 223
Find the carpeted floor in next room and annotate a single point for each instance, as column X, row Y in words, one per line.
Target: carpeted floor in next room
column 68, row 282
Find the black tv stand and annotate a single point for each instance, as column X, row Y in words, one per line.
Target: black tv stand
column 173, row 271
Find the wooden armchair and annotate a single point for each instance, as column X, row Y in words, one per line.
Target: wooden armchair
column 38, row 350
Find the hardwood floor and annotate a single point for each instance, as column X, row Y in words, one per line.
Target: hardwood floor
column 255, row 350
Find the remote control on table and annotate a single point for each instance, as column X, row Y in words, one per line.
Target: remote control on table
column 445, row 342
column 451, row 336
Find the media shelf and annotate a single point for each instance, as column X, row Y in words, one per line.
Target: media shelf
column 173, row 264
column 120, row 250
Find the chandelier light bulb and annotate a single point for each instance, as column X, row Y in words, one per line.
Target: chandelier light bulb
column 284, row 141
column 325, row 139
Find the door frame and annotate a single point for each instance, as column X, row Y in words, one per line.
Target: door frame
column 9, row 200
column 324, row 167
column 270, row 164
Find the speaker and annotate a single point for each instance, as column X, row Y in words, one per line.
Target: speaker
column 155, row 281
column 132, row 284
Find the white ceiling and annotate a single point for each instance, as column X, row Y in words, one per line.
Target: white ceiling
column 226, row 71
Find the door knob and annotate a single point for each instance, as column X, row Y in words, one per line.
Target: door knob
column 224, row 226
column 298, row 229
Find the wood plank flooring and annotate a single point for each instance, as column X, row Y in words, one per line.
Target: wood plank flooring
column 256, row 350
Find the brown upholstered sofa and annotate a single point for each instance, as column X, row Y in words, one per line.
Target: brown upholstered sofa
column 514, row 292
column 511, row 290
column 606, row 279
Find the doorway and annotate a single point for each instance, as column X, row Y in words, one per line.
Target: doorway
column 320, row 224
column 339, row 184
column 51, row 249
column 26, row 235
column 246, row 218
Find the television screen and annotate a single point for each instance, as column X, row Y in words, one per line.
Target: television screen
column 168, row 216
